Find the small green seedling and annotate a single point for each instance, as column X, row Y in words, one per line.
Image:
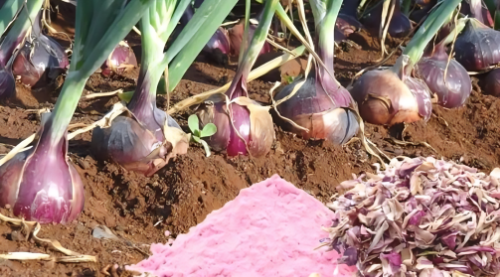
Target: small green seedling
column 289, row 79
column 207, row 131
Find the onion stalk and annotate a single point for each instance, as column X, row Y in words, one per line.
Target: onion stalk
column 392, row 96
column 41, row 184
column 243, row 126
column 321, row 105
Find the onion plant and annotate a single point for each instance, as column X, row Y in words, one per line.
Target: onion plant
column 319, row 103
column 243, row 126
column 392, row 96
column 41, row 184
column 146, row 138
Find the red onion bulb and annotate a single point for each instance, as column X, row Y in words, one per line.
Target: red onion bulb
column 236, row 37
column 218, row 47
column 312, row 108
column 137, row 141
column 477, row 47
column 252, row 128
column 7, row 84
column 384, row 99
column 40, row 61
column 457, row 88
column 400, row 24
column 41, row 184
column 120, row 60
column 491, row 83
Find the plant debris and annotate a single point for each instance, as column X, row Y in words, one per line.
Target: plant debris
column 32, row 228
column 420, row 217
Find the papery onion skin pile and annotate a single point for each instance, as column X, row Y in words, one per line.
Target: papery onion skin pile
column 419, row 217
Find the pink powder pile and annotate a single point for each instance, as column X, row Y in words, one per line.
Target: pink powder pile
column 270, row 229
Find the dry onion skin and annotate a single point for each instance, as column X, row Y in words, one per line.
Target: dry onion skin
column 419, row 217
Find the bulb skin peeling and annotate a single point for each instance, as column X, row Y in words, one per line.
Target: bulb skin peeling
column 312, row 108
column 384, row 99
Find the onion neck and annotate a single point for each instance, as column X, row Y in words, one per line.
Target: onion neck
column 50, row 145
column 326, row 40
column 65, row 106
column 426, row 32
column 143, row 101
column 238, row 85
column 326, row 47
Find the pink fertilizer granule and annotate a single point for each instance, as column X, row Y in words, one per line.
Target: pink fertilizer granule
column 270, row 229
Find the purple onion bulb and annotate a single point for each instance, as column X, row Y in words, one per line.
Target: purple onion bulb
column 129, row 142
column 399, row 26
column 39, row 62
column 41, row 184
column 491, row 83
column 477, row 47
column 252, row 121
column 120, row 60
column 236, row 37
column 218, row 47
column 7, row 84
column 456, row 90
column 345, row 26
column 384, row 99
column 312, row 108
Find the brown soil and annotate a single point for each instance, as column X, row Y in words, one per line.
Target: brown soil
column 180, row 195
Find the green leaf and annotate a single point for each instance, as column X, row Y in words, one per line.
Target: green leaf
column 7, row 13
column 207, row 148
column 162, row 86
column 497, row 20
column 195, row 36
column 196, row 138
column 492, row 7
column 179, row 11
column 91, row 48
column 209, row 130
column 193, row 123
